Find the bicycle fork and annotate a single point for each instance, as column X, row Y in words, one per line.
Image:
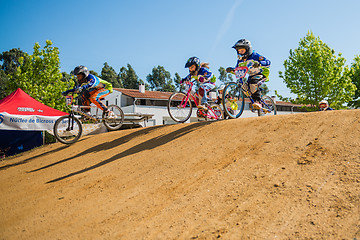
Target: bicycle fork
column 71, row 122
column 184, row 102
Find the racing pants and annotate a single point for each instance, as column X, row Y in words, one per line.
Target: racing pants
column 254, row 82
column 95, row 97
column 204, row 89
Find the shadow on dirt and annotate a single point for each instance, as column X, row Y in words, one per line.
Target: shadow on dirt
column 104, row 146
column 150, row 144
column 33, row 157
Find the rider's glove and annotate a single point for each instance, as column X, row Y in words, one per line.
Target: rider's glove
column 229, row 69
column 184, row 80
column 79, row 89
column 65, row 93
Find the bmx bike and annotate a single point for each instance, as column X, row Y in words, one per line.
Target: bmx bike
column 68, row 128
column 180, row 106
column 234, row 97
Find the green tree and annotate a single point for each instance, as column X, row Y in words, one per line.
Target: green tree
column 225, row 77
column 67, row 77
column 313, row 72
column 160, row 80
column 108, row 74
column 177, row 81
column 355, row 78
column 94, row 73
column 39, row 76
column 169, row 86
column 3, row 84
column 129, row 78
column 265, row 90
column 9, row 62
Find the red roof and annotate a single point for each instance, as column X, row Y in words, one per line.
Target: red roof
column 165, row 96
column 147, row 95
column 20, row 103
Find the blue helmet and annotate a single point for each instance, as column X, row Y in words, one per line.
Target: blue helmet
column 193, row 61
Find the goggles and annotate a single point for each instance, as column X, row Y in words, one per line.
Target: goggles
column 323, row 105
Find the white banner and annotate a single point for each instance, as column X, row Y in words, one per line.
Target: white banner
column 26, row 122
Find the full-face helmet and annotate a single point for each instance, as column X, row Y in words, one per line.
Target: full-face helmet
column 82, row 69
column 193, row 61
column 323, row 104
column 243, row 43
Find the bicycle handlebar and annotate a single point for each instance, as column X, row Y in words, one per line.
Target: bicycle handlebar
column 185, row 82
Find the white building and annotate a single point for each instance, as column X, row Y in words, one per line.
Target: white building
column 149, row 108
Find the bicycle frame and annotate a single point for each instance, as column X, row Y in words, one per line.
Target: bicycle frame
column 240, row 73
column 189, row 93
column 77, row 108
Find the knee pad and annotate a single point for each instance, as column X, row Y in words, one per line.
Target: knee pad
column 253, row 88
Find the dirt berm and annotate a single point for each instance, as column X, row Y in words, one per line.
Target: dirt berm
column 274, row 177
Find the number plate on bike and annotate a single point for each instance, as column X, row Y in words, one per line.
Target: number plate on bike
column 240, row 72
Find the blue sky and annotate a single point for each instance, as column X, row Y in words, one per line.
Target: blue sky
column 146, row 34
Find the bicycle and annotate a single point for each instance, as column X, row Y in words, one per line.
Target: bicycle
column 180, row 106
column 68, row 128
column 234, row 97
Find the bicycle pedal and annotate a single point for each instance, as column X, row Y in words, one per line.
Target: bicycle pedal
column 266, row 110
column 256, row 106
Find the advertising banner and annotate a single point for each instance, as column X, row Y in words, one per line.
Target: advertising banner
column 26, row 122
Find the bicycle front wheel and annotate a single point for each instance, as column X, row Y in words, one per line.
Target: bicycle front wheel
column 67, row 129
column 179, row 107
column 233, row 100
column 268, row 106
column 114, row 122
column 214, row 113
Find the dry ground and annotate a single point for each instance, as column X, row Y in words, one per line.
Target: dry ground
column 274, row 177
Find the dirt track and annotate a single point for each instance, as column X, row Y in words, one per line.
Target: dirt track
column 280, row 177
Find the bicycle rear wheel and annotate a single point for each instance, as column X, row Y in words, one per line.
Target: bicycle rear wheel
column 67, row 129
column 179, row 108
column 115, row 122
column 268, row 105
column 216, row 113
column 233, row 100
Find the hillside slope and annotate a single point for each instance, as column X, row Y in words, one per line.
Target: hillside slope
column 285, row 177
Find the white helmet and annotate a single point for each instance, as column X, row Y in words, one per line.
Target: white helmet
column 323, row 104
column 221, row 88
column 81, row 69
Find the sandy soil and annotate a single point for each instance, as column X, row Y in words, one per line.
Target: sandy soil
column 274, row 177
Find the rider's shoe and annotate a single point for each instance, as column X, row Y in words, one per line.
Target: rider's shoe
column 110, row 114
column 202, row 106
column 266, row 110
column 85, row 116
column 256, row 106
